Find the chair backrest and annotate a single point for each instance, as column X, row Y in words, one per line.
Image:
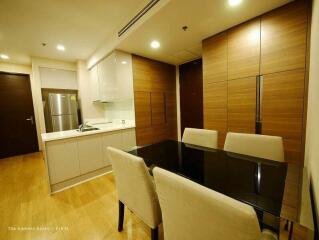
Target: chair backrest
column 191, row 211
column 200, row 137
column 263, row 146
column 135, row 186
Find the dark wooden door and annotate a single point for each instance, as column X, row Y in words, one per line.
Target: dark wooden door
column 191, row 94
column 17, row 124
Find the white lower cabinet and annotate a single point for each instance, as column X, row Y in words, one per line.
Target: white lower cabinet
column 73, row 157
column 128, row 139
column 62, row 159
column 112, row 139
column 90, row 153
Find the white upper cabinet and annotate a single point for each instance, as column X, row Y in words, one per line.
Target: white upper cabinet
column 94, row 84
column 114, row 79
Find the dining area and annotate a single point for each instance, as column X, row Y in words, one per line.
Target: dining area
column 197, row 191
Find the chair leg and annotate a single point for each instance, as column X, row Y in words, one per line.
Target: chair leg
column 154, row 233
column 286, row 225
column 121, row 216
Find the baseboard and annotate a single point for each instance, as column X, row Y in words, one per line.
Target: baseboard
column 58, row 187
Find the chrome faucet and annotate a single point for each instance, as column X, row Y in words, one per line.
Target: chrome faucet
column 83, row 125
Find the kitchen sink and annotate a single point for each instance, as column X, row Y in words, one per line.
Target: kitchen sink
column 87, row 129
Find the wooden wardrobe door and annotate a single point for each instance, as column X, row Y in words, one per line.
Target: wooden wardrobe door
column 215, row 85
column 284, row 38
column 242, row 105
column 143, row 117
column 283, row 108
column 244, row 50
column 215, row 109
column 215, row 59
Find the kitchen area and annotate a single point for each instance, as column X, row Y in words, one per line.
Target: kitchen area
column 75, row 141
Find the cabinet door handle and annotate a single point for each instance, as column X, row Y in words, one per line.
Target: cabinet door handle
column 258, row 98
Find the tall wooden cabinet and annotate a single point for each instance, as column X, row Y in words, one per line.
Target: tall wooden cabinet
column 244, row 50
column 155, row 101
column 215, row 85
column 266, row 55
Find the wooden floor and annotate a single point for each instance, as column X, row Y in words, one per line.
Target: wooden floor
column 86, row 211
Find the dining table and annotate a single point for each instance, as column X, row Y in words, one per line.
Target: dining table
column 255, row 181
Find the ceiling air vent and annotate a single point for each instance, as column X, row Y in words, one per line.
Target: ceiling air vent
column 140, row 14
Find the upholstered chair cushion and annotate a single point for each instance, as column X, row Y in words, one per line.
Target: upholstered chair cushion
column 135, row 186
column 200, row 137
column 191, row 211
column 268, row 235
column 263, row 146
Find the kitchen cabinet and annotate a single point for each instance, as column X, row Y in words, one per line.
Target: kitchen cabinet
column 90, row 153
column 74, row 159
column 94, row 84
column 112, row 78
column 128, row 139
column 112, row 139
column 62, row 160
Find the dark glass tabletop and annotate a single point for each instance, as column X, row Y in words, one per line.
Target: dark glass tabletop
column 255, row 181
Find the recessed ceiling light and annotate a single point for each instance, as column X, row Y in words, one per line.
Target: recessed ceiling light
column 234, row 3
column 124, row 62
column 4, row 56
column 60, row 47
column 155, row 44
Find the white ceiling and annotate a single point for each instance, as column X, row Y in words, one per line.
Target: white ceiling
column 81, row 25
column 204, row 18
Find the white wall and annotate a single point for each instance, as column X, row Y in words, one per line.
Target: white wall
column 15, row 68
column 312, row 135
column 89, row 109
column 123, row 110
column 36, row 89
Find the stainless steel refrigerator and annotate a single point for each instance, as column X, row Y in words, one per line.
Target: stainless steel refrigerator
column 62, row 112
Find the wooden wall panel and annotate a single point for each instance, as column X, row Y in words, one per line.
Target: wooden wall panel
column 142, row 109
column 215, row 109
column 284, row 38
column 158, row 108
column 242, row 105
column 155, row 100
column 283, row 108
column 244, row 50
column 171, row 117
column 215, row 58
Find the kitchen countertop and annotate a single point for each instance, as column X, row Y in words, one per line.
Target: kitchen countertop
column 46, row 137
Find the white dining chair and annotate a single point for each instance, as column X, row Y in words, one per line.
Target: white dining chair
column 135, row 189
column 263, row 146
column 200, row 137
column 191, row 211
